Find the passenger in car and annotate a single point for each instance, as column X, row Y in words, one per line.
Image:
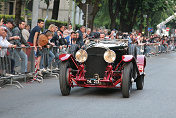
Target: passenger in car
column 102, row 36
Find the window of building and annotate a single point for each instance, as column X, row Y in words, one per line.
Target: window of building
column 11, row 4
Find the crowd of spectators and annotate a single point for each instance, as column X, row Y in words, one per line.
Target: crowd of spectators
column 64, row 37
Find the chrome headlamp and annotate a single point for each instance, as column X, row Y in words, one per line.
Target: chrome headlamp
column 81, row 56
column 109, row 56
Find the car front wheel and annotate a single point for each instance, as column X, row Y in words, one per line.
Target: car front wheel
column 126, row 80
column 63, row 78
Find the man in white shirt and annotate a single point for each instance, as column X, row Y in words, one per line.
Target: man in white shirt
column 4, row 44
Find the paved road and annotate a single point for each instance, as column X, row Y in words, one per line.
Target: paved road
column 157, row 100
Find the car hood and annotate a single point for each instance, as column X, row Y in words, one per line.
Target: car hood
column 109, row 44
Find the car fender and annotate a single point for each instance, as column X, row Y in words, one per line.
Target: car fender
column 64, row 57
column 141, row 62
column 127, row 58
column 68, row 57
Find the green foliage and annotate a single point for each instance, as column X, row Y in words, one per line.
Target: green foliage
column 48, row 22
column 7, row 16
column 102, row 18
column 56, row 22
column 4, row 0
column 156, row 11
column 159, row 10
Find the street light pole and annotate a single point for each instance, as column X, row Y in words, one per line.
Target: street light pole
column 69, row 12
column 87, row 10
column 35, row 10
column 74, row 15
column 146, row 28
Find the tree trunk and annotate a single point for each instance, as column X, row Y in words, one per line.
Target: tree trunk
column 18, row 11
column 146, row 29
column 126, row 23
column 141, row 26
column 55, row 9
column 124, row 27
column 93, row 9
column 113, row 13
column 90, row 22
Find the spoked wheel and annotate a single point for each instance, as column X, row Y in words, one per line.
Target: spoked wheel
column 140, row 82
column 126, row 80
column 63, row 78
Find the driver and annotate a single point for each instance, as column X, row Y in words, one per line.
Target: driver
column 102, row 36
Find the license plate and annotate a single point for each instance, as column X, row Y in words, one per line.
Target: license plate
column 93, row 81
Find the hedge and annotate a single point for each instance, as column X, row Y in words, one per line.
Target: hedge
column 48, row 22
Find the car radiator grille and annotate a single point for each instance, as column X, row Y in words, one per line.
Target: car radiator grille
column 95, row 63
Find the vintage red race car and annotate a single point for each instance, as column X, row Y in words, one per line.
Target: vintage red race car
column 103, row 64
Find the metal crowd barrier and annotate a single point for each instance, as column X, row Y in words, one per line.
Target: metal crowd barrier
column 12, row 61
column 52, row 54
column 154, row 48
column 12, row 68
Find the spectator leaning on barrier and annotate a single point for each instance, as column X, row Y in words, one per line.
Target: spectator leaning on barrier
column 21, row 42
column 25, row 32
column 4, row 44
column 51, row 30
column 9, row 25
column 35, row 32
column 43, row 41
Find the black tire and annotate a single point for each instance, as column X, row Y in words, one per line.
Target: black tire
column 140, row 82
column 132, row 50
column 126, row 80
column 63, row 78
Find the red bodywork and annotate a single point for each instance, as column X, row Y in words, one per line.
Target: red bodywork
column 111, row 77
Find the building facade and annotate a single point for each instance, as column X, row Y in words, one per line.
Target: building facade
column 66, row 12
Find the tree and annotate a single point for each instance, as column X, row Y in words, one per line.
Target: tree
column 102, row 18
column 26, row 10
column 93, row 7
column 113, row 12
column 55, row 9
column 18, row 11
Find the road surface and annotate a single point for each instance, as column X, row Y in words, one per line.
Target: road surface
column 44, row 100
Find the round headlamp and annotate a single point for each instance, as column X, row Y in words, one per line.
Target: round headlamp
column 81, row 56
column 109, row 56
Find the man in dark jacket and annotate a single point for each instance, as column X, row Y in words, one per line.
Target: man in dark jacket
column 80, row 38
column 58, row 38
column 21, row 42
